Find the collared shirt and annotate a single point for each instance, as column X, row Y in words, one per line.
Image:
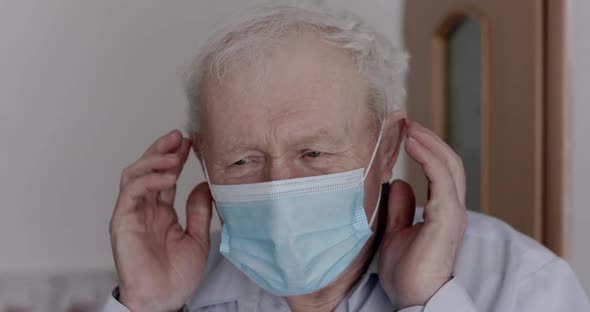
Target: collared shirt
column 497, row 269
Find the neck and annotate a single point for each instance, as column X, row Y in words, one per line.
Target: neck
column 326, row 299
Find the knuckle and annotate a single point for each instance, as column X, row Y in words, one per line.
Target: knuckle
column 127, row 170
column 123, row 181
column 151, row 179
column 135, row 185
column 459, row 160
column 130, row 190
column 126, row 174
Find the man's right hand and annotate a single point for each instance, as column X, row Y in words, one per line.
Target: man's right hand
column 158, row 262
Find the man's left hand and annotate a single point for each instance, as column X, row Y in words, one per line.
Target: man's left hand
column 416, row 260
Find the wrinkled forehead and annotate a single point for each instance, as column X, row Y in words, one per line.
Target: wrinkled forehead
column 298, row 82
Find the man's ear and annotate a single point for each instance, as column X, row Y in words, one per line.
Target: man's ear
column 394, row 127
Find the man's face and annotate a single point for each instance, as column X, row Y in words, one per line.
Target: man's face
column 299, row 109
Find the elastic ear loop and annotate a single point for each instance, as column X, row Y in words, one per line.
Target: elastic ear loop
column 367, row 172
column 210, row 189
column 207, row 175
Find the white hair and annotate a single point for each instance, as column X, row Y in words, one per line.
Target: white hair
column 383, row 64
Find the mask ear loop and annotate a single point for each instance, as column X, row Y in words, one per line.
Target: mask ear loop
column 210, row 188
column 207, row 176
column 367, row 172
column 374, row 153
column 376, row 209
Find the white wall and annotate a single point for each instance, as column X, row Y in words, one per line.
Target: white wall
column 579, row 66
column 85, row 87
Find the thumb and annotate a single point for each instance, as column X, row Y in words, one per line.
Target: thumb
column 198, row 213
column 401, row 207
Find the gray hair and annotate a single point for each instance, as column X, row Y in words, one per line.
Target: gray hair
column 383, row 64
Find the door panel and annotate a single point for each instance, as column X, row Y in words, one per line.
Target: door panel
column 463, row 109
column 500, row 91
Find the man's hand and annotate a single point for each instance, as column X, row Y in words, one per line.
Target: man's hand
column 158, row 262
column 417, row 260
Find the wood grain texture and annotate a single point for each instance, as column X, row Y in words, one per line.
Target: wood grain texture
column 513, row 74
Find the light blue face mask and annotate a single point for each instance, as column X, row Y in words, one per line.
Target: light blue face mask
column 295, row 236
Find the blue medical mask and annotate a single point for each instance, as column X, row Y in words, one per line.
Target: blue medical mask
column 295, row 236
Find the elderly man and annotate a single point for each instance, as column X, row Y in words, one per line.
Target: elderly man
column 294, row 117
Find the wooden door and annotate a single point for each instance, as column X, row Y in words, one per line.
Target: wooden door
column 488, row 77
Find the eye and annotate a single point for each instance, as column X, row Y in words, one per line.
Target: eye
column 241, row 162
column 313, row 154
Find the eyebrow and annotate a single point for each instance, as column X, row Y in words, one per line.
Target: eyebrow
column 321, row 137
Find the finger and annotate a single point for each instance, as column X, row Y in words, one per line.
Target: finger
column 148, row 164
column 416, row 127
column 165, row 144
column 401, row 207
column 198, row 214
column 139, row 188
column 444, row 152
column 167, row 196
column 441, row 183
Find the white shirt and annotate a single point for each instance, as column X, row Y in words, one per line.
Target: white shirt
column 497, row 269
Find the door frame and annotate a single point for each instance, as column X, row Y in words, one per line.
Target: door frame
column 556, row 165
